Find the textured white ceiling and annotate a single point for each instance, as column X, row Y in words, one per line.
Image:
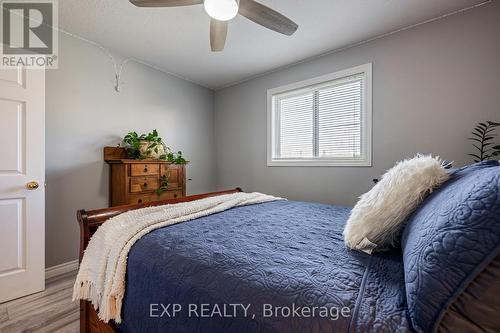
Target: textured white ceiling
column 177, row 39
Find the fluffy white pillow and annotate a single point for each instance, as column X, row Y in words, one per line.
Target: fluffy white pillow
column 378, row 217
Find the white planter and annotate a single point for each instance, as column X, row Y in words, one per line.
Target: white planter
column 143, row 148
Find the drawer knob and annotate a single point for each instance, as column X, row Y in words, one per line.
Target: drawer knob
column 139, row 201
column 175, row 195
column 145, row 185
column 145, row 169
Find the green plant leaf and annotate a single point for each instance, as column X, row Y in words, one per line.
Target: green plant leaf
column 474, row 139
column 488, row 152
column 477, row 133
column 474, row 155
column 479, row 129
column 476, row 147
column 489, row 130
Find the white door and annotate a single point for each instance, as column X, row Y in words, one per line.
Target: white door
column 22, row 160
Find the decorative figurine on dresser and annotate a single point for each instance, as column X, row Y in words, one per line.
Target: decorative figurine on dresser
column 144, row 170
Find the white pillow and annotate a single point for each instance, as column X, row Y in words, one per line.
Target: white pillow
column 378, row 217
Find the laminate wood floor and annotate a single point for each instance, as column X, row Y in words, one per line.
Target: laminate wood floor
column 49, row 311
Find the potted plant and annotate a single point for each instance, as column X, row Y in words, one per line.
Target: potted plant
column 144, row 146
column 482, row 137
column 150, row 146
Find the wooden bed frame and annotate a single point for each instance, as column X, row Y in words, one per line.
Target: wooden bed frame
column 89, row 222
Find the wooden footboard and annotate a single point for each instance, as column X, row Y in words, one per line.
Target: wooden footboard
column 89, row 222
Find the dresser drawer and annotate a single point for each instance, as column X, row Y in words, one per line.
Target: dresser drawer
column 175, row 174
column 144, row 169
column 170, row 195
column 143, row 184
column 139, row 198
column 150, row 197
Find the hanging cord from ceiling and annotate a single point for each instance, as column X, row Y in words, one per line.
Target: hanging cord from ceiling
column 118, row 72
column 117, row 66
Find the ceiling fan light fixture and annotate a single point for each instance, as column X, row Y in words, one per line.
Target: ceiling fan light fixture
column 221, row 10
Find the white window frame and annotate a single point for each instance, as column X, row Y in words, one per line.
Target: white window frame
column 366, row 120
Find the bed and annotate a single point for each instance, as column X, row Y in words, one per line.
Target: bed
column 276, row 267
column 263, row 262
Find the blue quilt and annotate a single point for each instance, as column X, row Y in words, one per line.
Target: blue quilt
column 275, row 267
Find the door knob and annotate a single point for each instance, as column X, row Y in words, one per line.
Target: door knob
column 32, row 185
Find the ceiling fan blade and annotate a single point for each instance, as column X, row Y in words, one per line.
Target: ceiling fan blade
column 165, row 3
column 218, row 34
column 267, row 17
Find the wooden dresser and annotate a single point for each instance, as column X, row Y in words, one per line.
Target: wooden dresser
column 138, row 181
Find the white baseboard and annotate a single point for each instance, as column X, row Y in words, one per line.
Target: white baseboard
column 61, row 269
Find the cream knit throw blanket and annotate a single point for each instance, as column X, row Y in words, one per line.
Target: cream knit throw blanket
column 101, row 277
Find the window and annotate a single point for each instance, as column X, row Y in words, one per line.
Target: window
column 325, row 121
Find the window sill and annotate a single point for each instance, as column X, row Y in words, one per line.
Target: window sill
column 318, row 163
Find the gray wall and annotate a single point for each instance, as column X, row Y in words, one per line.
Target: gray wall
column 431, row 85
column 84, row 114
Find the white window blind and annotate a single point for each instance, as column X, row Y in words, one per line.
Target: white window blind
column 324, row 121
column 339, row 120
column 296, row 117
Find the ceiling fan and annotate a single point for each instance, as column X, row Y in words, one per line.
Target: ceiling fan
column 222, row 11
